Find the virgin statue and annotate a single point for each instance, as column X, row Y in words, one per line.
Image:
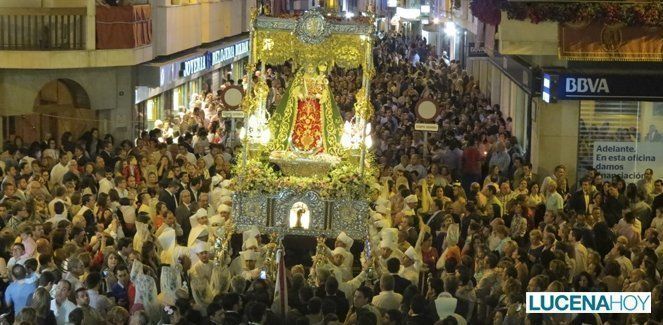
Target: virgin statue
column 307, row 119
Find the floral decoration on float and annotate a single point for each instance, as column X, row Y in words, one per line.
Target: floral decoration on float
column 343, row 181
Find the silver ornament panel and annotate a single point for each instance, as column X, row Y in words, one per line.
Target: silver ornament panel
column 350, row 216
column 249, row 209
column 271, row 214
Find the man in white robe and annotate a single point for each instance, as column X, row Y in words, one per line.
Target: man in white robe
column 411, row 265
column 250, row 269
column 338, row 266
column 388, row 247
column 171, row 278
column 200, row 276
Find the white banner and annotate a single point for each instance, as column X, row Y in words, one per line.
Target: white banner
column 628, row 159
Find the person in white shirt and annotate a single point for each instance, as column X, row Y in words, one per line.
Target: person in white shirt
column 121, row 186
column 76, row 270
column 60, row 195
column 581, row 254
column 657, row 223
column 18, row 256
column 105, row 184
column 59, row 214
column 58, row 171
column 61, row 306
column 554, row 201
column 620, row 254
column 184, row 153
column 387, row 299
column 560, row 172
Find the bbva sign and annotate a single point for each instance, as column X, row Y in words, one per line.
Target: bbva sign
column 582, row 85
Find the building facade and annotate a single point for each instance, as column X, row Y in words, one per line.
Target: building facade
column 585, row 91
column 69, row 66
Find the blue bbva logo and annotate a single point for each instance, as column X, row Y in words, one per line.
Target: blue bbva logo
column 588, row 302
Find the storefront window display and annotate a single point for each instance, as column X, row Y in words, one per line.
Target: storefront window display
column 178, row 84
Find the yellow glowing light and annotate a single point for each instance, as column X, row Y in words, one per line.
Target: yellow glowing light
column 300, row 212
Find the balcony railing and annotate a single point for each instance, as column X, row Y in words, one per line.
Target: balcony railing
column 42, row 28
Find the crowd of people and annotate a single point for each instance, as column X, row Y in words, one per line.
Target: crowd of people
column 96, row 231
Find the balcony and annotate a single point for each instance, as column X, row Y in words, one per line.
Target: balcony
column 180, row 25
column 61, row 34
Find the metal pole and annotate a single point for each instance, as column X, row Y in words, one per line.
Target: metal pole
column 362, row 158
column 232, row 130
column 367, row 86
column 249, row 92
column 425, row 144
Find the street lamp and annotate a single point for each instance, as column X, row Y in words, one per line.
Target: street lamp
column 450, row 28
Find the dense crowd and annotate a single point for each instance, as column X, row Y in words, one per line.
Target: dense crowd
column 100, row 231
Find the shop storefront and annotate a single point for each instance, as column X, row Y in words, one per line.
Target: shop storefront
column 620, row 121
column 227, row 64
column 166, row 89
column 506, row 82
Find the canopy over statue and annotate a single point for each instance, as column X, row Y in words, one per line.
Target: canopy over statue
column 322, row 158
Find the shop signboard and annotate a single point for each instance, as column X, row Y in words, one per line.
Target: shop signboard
column 615, row 87
column 221, row 55
column 629, row 160
column 229, row 53
column 548, row 93
column 241, row 48
column 476, row 50
column 194, row 65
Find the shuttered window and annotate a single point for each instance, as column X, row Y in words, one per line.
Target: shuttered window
column 605, row 121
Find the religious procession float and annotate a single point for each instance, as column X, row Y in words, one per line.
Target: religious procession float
column 305, row 171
